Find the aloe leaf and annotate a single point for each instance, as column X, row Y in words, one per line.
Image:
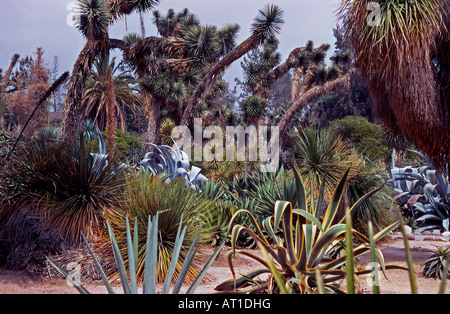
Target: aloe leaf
column 119, row 261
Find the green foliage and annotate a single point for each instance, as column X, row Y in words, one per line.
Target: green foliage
column 298, row 243
column 146, row 195
column 54, row 192
column 130, row 148
column 94, row 18
column 320, row 152
column 365, row 137
column 129, row 279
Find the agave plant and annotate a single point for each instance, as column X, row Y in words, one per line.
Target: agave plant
column 173, row 162
column 129, row 278
column 298, row 242
column 437, row 265
column 424, row 194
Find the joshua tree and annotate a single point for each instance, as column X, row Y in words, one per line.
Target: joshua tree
column 403, row 55
column 265, row 25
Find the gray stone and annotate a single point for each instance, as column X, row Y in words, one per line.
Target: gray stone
column 446, row 234
column 436, row 232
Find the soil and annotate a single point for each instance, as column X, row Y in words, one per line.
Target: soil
column 397, row 281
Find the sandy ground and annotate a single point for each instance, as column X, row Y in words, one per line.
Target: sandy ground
column 397, row 282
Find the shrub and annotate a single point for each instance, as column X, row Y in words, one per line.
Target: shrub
column 365, row 137
column 54, row 192
column 147, row 195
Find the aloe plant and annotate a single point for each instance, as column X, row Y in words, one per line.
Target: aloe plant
column 128, row 278
column 298, row 242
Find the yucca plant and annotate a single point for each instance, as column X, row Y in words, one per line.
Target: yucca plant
column 59, row 187
column 298, row 242
column 129, row 278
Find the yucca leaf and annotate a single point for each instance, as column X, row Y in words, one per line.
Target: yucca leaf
column 325, row 239
column 309, row 217
column 301, row 192
column 412, row 277
column 187, row 264
column 373, row 260
column 444, row 277
column 202, row 274
column 319, row 282
column 275, row 272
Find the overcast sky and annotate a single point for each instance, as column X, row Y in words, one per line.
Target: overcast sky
column 28, row 24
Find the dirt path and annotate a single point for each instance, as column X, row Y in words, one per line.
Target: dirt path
column 21, row 282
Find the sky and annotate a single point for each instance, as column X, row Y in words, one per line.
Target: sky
column 28, row 24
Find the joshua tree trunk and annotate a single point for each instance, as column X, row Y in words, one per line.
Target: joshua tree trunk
column 309, row 95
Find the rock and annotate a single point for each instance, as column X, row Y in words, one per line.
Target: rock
column 408, row 230
column 436, row 232
column 446, row 234
column 427, row 232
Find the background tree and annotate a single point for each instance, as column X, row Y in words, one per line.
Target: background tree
column 31, row 81
column 404, row 61
column 97, row 87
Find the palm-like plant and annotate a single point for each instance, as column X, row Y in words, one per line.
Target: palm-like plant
column 94, row 19
column 107, row 94
column 404, row 62
column 319, row 154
